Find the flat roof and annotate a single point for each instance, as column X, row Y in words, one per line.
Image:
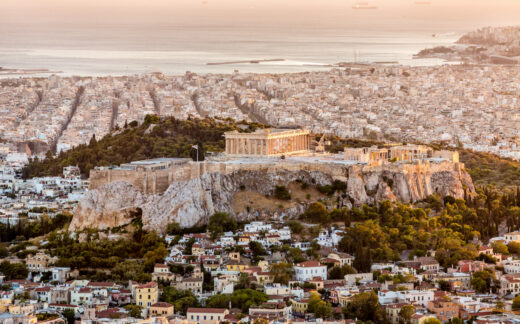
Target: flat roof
column 158, row 160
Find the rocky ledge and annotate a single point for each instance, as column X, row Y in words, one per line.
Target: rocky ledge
column 192, row 202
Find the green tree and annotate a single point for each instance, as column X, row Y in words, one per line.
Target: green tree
column 188, row 246
column 516, row 303
column 242, row 298
column 317, row 213
column 282, row 193
column 314, row 299
column 481, row 281
column 13, row 270
column 444, row 285
column 152, row 257
column 69, row 315
column 134, row 310
column 365, row 307
column 296, row 255
column 282, row 272
column 513, row 248
column 221, row 222
column 181, row 299
column 405, row 314
column 243, row 281
column 499, row 247
column 295, row 226
column 257, row 248
column 339, row 272
column 322, row 310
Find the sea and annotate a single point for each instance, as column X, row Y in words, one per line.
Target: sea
column 174, row 46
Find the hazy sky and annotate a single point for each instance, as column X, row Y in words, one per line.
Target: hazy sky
column 484, row 12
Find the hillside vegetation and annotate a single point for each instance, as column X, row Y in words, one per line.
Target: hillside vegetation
column 169, row 137
column 490, row 169
column 154, row 138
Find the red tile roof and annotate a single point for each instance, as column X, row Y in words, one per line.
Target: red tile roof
column 101, row 284
column 162, row 304
column 151, row 284
column 309, row 264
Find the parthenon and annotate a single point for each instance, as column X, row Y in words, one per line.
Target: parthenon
column 268, row 142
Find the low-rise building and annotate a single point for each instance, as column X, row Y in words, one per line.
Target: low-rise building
column 206, row 315
column 147, row 294
column 444, row 309
column 161, row 309
column 308, row 270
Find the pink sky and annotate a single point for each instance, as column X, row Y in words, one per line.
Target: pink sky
column 497, row 12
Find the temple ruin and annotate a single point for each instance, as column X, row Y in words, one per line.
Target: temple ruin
column 268, row 142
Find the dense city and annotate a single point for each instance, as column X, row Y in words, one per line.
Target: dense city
column 468, row 106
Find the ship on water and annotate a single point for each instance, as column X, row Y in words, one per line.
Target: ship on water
column 363, row 5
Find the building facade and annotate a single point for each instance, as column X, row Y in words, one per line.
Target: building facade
column 308, row 270
column 268, row 142
column 147, row 294
column 206, row 315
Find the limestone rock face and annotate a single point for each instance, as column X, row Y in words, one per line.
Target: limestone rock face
column 112, row 205
column 192, row 202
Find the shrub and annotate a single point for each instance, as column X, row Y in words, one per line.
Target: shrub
column 295, row 226
column 281, row 192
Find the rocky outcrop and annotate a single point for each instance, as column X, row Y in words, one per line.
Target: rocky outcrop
column 192, row 202
column 115, row 204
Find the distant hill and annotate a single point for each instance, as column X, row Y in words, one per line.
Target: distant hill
column 154, row 138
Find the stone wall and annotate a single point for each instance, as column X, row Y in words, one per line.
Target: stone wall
column 157, row 182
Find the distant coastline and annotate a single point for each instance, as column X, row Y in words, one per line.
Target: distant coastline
column 15, row 71
column 488, row 45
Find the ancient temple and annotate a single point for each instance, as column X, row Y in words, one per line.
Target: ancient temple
column 268, row 142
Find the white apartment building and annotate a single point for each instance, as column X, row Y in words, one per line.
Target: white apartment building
column 255, row 227
column 308, row 270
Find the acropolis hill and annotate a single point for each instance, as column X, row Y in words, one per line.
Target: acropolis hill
column 242, row 181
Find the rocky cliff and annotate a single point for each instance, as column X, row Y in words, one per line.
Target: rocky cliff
column 192, row 202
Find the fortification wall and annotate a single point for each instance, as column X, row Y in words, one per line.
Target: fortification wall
column 157, row 182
